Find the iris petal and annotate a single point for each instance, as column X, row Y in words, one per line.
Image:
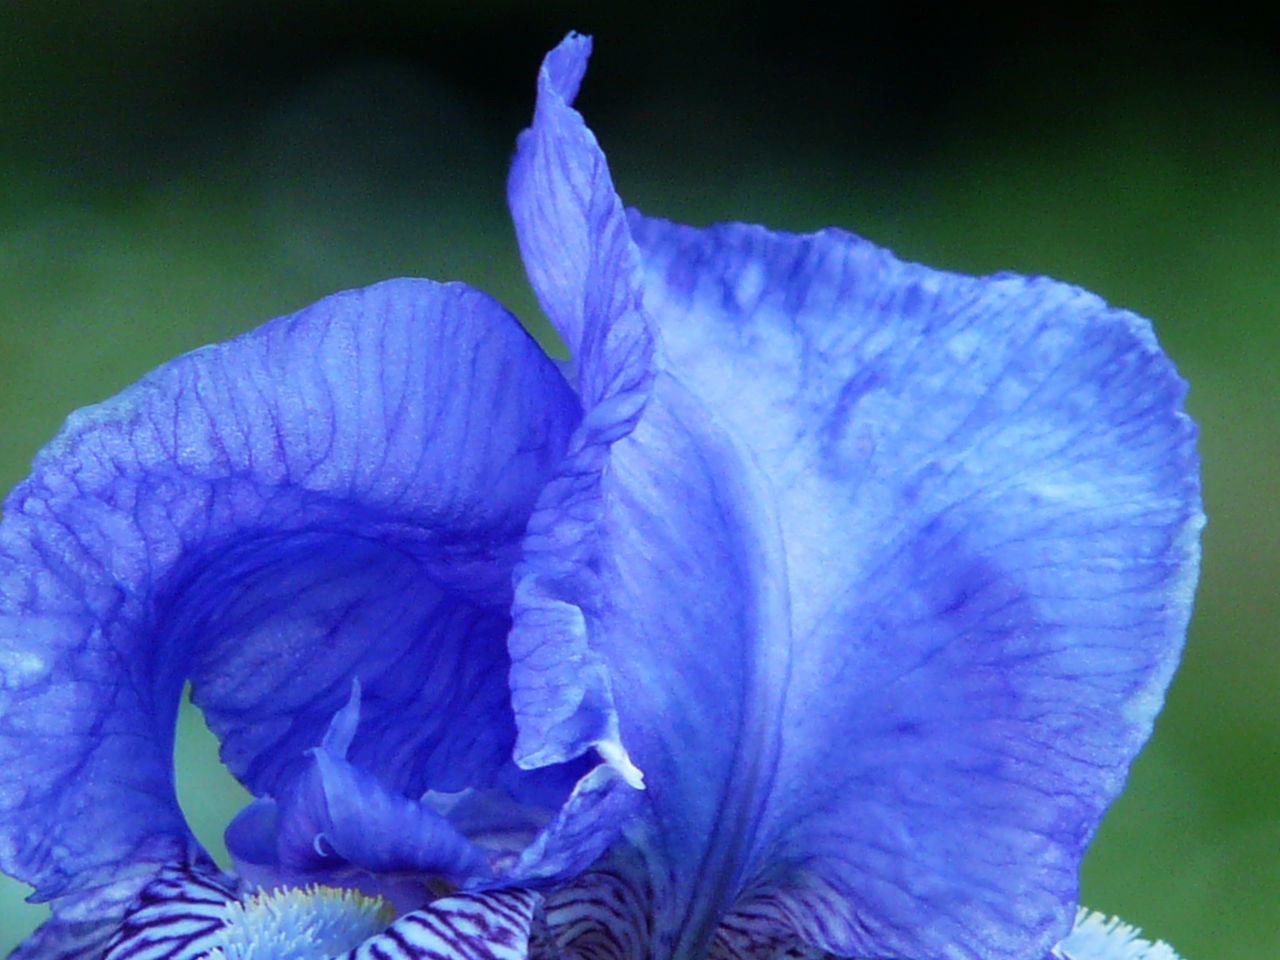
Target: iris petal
column 339, row 817
column 875, row 574
column 989, row 502
column 602, row 914
column 476, row 926
column 574, row 238
column 179, row 915
column 601, row 806
column 584, row 268
column 338, row 494
column 62, row 940
column 880, row 586
column 651, row 535
column 694, row 633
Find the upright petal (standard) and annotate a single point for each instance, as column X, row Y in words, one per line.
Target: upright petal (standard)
column 880, row 590
column 339, row 494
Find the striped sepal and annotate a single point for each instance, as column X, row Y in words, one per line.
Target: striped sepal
column 466, row 926
column 604, row 913
column 758, row 930
column 177, row 916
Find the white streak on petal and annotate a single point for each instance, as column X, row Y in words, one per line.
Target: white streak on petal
column 615, row 755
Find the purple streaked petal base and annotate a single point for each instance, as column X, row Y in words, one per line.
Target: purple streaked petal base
column 466, row 926
column 178, row 916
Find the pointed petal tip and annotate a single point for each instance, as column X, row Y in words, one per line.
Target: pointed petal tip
column 342, row 728
column 564, row 66
column 616, row 757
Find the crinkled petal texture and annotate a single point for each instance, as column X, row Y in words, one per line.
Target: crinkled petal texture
column 881, row 590
column 337, row 496
column 575, row 243
column 584, row 268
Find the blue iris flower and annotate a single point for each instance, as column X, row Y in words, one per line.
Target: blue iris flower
column 818, row 606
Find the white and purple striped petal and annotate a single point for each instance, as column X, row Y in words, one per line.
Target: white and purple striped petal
column 465, row 926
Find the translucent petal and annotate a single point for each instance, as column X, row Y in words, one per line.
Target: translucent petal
column 598, row 811
column 683, row 613
column 573, row 235
column 583, row 266
column 338, row 816
column 338, row 824
column 880, row 593
column 988, row 500
column 339, row 494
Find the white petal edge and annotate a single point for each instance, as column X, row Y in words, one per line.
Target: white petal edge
column 1099, row 937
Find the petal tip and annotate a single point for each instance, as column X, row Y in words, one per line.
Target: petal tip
column 564, row 67
column 616, row 757
column 342, row 728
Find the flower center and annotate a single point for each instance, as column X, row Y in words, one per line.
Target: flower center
column 292, row 924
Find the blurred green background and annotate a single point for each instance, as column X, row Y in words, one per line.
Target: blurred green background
column 171, row 174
